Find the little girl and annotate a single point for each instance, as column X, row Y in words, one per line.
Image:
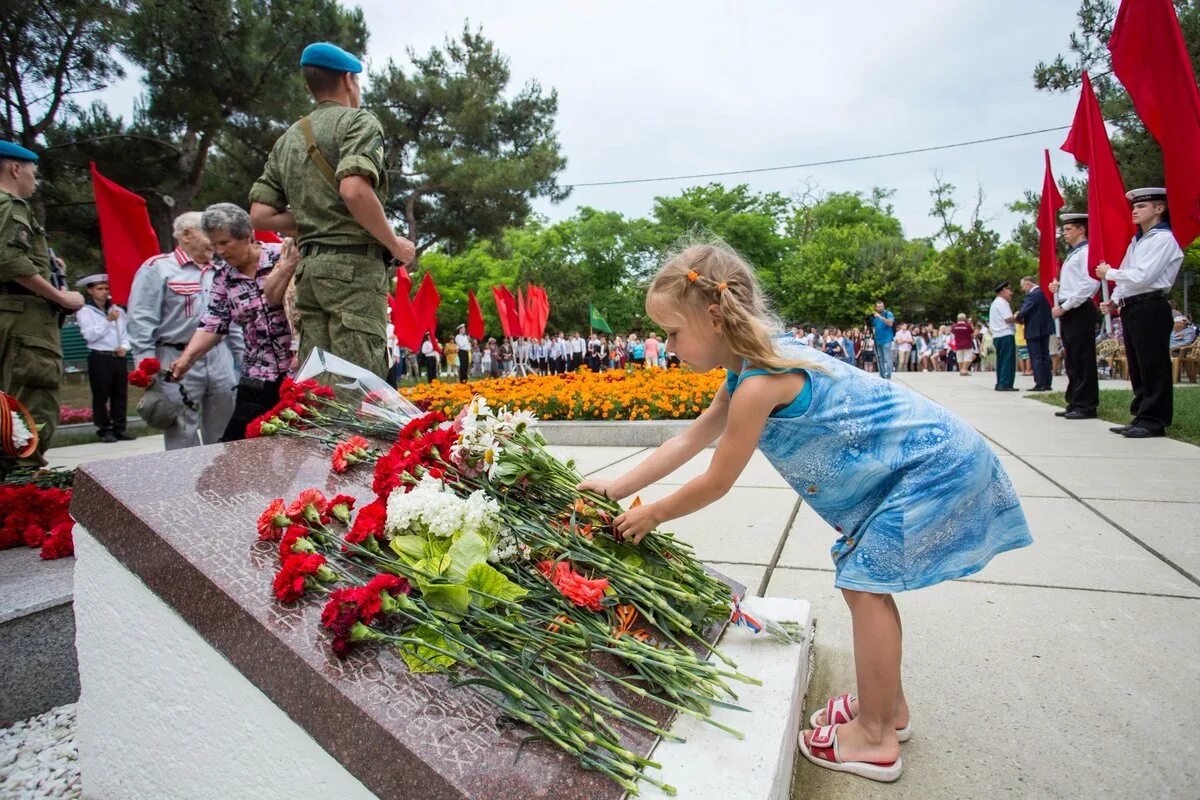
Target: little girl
column 915, row 494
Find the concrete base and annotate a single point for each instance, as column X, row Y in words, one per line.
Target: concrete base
column 164, row 715
column 37, row 635
column 630, row 433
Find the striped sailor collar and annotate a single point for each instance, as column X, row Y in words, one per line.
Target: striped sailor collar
column 1162, row 226
column 184, row 259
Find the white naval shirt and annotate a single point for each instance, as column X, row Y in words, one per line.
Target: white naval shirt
column 1150, row 264
column 1075, row 286
column 463, row 341
column 998, row 317
column 99, row 332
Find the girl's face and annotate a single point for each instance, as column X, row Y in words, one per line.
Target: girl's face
column 695, row 339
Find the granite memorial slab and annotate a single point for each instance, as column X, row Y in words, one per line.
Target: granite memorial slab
column 183, row 523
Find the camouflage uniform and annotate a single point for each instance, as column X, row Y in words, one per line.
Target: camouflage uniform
column 341, row 282
column 31, row 364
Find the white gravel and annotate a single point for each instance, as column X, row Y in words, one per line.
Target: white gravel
column 38, row 757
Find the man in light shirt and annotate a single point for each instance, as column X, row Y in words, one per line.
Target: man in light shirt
column 464, row 353
column 1076, row 313
column 1146, row 275
column 1000, row 321
column 103, row 326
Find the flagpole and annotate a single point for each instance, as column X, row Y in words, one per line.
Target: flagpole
column 1107, row 315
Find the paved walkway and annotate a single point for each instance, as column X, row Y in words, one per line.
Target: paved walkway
column 1067, row 669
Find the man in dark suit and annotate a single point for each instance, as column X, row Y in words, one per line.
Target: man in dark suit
column 1035, row 314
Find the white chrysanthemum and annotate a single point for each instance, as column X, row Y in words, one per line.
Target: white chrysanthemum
column 481, row 514
column 21, row 434
column 432, row 508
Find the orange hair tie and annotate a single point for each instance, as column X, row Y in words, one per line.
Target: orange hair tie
column 693, row 275
column 722, row 286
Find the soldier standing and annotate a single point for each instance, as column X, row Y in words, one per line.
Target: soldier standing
column 1144, row 280
column 31, row 364
column 324, row 183
column 166, row 304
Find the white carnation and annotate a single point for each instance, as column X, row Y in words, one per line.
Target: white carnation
column 21, row 434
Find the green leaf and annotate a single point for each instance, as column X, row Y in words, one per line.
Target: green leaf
column 435, row 565
column 450, row 597
column 632, row 558
column 486, row 578
column 470, row 549
column 420, row 658
column 410, row 548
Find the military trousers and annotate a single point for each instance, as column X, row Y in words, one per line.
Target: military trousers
column 342, row 302
column 31, row 364
column 211, row 386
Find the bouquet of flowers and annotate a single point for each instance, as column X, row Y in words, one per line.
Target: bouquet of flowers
column 150, row 370
column 479, row 559
column 18, row 432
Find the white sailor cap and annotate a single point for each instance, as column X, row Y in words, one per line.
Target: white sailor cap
column 92, row 279
column 1146, row 194
column 1073, row 216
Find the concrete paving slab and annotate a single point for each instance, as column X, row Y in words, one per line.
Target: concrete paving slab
column 78, row 454
column 1170, row 528
column 749, row 575
column 745, row 526
column 1049, row 436
column 28, row 584
column 1026, row 481
column 980, row 661
column 758, row 471
column 1123, row 478
column 590, row 459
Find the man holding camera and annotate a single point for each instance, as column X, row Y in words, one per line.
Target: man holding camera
column 883, row 322
column 324, row 184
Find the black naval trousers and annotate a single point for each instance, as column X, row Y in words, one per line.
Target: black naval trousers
column 1079, row 342
column 109, row 382
column 464, row 365
column 1146, row 322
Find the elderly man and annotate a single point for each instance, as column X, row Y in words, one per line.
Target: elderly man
column 1183, row 333
column 1076, row 312
column 249, row 293
column 169, row 296
column 1143, row 280
column 1000, row 322
column 1038, row 320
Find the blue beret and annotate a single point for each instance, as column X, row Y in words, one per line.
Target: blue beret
column 329, row 56
column 15, row 151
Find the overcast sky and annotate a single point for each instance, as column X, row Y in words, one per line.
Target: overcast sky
column 655, row 88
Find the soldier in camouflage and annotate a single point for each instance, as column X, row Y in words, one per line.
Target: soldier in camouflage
column 324, row 184
column 31, row 364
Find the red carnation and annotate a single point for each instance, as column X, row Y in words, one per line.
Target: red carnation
column 60, row 543
column 290, row 581
column 349, row 452
column 372, row 600
column 579, row 590
column 310, row 506
column 34, row 535
column 140, row 379
column 254, row 428
column 294, row 534
column 370, row 521
column 150, row 366
column 341, row 506
column 273, row 521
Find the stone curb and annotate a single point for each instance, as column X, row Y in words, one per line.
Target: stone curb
column 592, row 433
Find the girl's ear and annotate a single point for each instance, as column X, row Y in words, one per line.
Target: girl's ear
column 714, row 313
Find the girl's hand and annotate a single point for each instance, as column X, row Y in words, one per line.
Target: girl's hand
column 604, row 488
column 636, row 523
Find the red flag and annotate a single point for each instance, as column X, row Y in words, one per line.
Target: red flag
column 408, row 334
column 1151, row 59
column 541, row 306
column 425, row 306
column 475, row 327
column 513, row 327
column 267, row 237
column 523, row 315
column 1110, row 227
column 1052, row 201
column 126, row 236
column 501, row 307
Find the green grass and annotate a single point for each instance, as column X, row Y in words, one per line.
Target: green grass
column 1114, row 407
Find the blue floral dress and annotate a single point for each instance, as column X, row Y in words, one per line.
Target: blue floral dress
column 915, row 493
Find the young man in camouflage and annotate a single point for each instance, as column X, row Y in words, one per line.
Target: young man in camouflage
column 324, row 183
column 31, row 364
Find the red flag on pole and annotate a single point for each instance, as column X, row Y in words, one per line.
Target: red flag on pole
column 475, row 327
column 498, row 293
column 408, row 334
column 126, row 236
column 543, row 309
column 513, row 328
column 1150, row 57
column 425, row 306
column 1110, row 226
column 1052, row 201
column 523, row 312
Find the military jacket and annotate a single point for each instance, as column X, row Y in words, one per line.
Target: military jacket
column 351, row 139
column 23, row 248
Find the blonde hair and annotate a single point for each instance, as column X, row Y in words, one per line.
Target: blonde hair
column 698, row 275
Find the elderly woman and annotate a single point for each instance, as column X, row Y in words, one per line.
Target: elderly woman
column 247, row 292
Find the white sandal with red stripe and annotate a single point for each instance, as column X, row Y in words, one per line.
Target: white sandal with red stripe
column 838, row 711
column 822, row 750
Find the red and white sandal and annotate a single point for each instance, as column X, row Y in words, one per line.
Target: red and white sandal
column 838, row 711
column 822, row 750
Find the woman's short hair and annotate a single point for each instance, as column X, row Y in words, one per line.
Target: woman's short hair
column 227, row 217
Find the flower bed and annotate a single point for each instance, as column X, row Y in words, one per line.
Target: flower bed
column 629, row 394
column 73, row 416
